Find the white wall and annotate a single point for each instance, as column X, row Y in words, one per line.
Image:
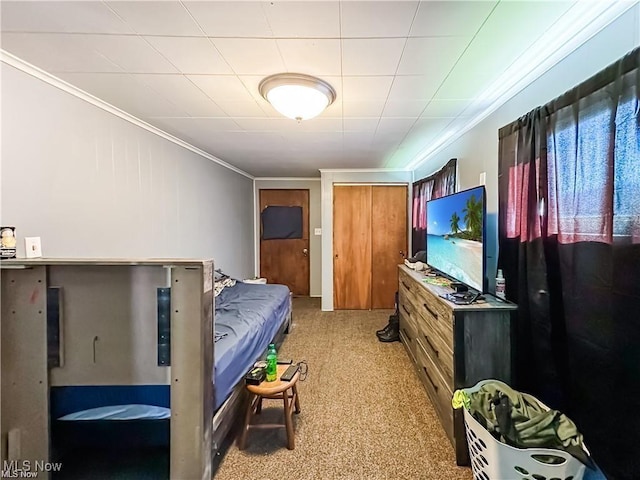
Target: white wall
column 91, row 184
column 328, row 179
column 315, row 243
column 477, row 150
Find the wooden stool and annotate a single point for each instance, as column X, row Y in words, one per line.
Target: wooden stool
column 278, row 390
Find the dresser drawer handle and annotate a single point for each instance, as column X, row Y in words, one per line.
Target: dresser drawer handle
column 406, row 286
column 431, row 346
column 404, row 307
column 429, row 378
column 434, row 314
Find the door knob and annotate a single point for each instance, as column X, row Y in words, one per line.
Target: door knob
column 305, row 251
column 402, row 254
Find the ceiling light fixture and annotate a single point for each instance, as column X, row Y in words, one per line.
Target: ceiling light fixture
column 296, row 95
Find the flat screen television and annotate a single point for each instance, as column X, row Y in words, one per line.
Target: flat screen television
column 456, row 237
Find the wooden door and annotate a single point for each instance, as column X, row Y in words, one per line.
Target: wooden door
column 352, row 247
column 286, row 261
column 388, row 242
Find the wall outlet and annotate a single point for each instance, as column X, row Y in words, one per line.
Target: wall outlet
column 483, row 178
column 32, row 247
column 317, row 231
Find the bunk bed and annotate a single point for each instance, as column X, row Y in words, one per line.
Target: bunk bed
column 82, row 336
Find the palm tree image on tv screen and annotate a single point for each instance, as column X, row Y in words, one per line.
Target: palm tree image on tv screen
column 455, row 235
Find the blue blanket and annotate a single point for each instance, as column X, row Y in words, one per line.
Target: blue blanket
column 250, row 315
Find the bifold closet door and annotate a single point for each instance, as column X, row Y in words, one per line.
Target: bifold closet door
column 388, row 241
column 352, row 247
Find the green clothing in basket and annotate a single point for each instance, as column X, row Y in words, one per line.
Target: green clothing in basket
column 519, row 420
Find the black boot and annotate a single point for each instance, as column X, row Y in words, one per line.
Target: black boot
column 393, row 320
column 393, row 335
column 385, row 329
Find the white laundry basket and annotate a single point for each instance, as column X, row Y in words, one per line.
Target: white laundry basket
column 494, row 460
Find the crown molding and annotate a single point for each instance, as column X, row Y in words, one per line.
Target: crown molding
column 568, row 35
column 26, row 67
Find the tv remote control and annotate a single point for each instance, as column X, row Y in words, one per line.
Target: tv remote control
column 289, row 373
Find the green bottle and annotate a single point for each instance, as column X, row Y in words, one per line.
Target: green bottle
column 272, row 363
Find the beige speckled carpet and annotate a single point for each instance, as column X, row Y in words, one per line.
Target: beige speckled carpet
column 365, row 414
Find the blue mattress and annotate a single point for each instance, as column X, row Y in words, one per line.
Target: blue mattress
column 250, row 316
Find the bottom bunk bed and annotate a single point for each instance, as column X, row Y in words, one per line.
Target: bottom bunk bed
column 106, row 418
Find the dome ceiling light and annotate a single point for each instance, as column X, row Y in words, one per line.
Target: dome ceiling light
column 296, row 95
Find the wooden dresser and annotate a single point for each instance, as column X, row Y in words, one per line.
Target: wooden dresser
column 453, row 346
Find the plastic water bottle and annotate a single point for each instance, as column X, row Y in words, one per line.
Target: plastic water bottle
column 272, row 363
column 500, row 286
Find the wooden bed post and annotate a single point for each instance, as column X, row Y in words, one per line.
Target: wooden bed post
column 192, row 327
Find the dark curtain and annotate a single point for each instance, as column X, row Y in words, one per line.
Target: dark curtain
column 569, row 233
column 441, row 183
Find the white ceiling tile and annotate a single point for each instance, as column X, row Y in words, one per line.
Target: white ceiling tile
column 180, row 91
column 251, row 56
column 311, row 56
column 360, row 124
column 372, row 56
column 357, row 139
column 205, row 126
column 132, row 53
column 431, row 55
column 268, row 109
column 450, row 18
column 461, row 86
column 404, row 108
column 362, row 109
column 402, row 155
column 377, row 19
column 366, row 88
column 58, row 52
column 241, row 108
column 156, row 18
column 385, row 144
column 399, row 125
column 252, row 83
column 386, row 135
column 303, row 139
column 321, row 124
column 222, row 87
column 304, row 19
column 414, row 87
column 65, row 17
column 499, row 43
column 124, row 92
column 445, row 108
column 429, row 127
column 425, row 130
column 266, row 124
column 334, row 110
column 231, row 18
column 191, row 55
column 254, row 141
